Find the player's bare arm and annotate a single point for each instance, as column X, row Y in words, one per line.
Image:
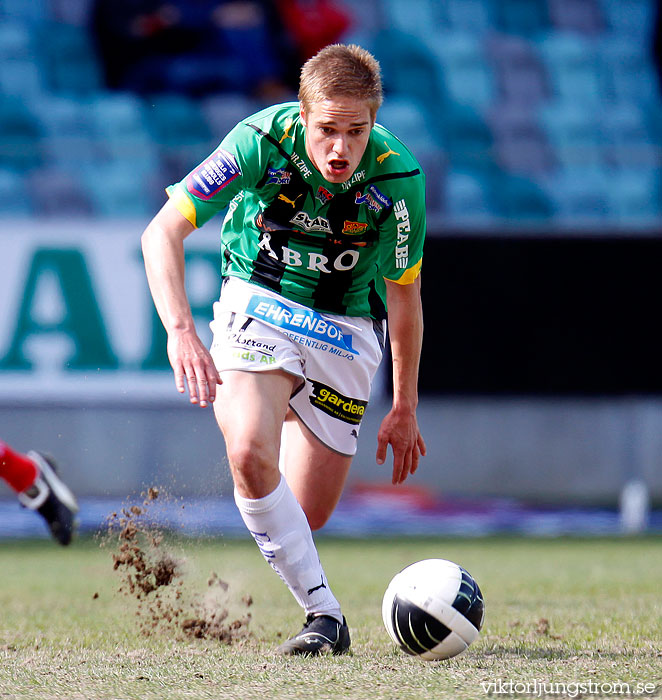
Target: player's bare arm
column 400, row 426
column 163, row 251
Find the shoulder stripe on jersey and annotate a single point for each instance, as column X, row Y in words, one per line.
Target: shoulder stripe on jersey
column 184, row 205
column 389, row 176
column 271, row 140
column 408, row 276
column 282, row 152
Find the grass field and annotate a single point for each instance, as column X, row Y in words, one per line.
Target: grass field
column 582, row 614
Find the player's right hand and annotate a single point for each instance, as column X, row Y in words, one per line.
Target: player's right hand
column 193, row 367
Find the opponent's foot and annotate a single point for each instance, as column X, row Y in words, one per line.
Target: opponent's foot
column 320, row 635
column 51, row 498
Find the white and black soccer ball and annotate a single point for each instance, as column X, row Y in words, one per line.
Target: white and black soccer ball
column 433, row 609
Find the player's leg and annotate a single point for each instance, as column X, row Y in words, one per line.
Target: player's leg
column 33, row 477
column 250, row 408
column 17, row 469
column 315, row 473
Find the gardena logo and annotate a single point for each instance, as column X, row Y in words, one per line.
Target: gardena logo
column 334, row 404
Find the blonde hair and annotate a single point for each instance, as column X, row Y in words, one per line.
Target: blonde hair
column 341, row 70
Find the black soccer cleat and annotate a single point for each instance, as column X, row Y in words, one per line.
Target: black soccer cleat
column 51, row 498
column 320, row 635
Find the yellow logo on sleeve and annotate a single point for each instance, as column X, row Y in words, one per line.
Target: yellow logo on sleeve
column 288, row 125
column 381, row 158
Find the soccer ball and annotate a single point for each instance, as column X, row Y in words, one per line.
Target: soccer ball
column 433, row 609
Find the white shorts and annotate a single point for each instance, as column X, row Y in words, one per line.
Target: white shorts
column 336, row 357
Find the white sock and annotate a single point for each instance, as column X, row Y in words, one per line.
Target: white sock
column 280, row 529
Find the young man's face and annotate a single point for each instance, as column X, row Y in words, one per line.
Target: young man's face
column 337, row 133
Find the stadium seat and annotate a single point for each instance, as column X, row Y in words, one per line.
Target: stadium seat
column 15, row 41
column 466, row 75
column 408, row 67
column 581, row 196
column 181, row 132
column 118, row 190
column 176, row 120
column 520, row 200
column 629, row 18
column 629, row 143
column 33, row 11
column 525, row 17
column 652, row 113
column 67, row 59
column 634, row 197
column 118, row 115
column 572, row 66
column 58, row 193
column 223, row 112
column 466, row 138
column 76, row 12
column 20, row 78
column 466, row 199
column 415, row 17
column 69, row 134
column 626, row 71
column 19, row 135
column 573, row 131
column 584, row 16
column 365, row 16
column 519, row 73
column 434, row 163
column 14, row 194
column 408, row 121
column 119, row 124
column 520, row 145
column 471, row 16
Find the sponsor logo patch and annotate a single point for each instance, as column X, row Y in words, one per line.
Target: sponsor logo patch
column 319, row 223
column 402, row 248
column 379, row 196
column 278, row 177
column 368, row 200
column 213, row 175
column 390, row 152
column 291, row 202
column 346, row 260
column 335, row 404
column 357, row 177
column 300, row 163
column 289, row 122
column 303, row 322
column 323, row 195
column 354, row 227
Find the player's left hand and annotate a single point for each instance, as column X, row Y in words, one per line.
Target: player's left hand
column 399, row 429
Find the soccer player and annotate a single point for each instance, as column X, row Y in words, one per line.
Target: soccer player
column 39, row 488
column 321, row 244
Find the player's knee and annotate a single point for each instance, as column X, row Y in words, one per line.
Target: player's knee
column 251, row 466
column 317, row 517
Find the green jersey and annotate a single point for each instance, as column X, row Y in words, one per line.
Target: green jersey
column 327, row 246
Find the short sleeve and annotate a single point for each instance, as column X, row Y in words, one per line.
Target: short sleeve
column 211, row 186
column 403, row 231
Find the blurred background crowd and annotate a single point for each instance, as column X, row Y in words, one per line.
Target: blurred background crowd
column 535, row 112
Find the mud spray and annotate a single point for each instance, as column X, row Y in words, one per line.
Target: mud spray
column 152, row 576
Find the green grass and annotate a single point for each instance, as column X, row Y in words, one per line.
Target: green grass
column 557, row 611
